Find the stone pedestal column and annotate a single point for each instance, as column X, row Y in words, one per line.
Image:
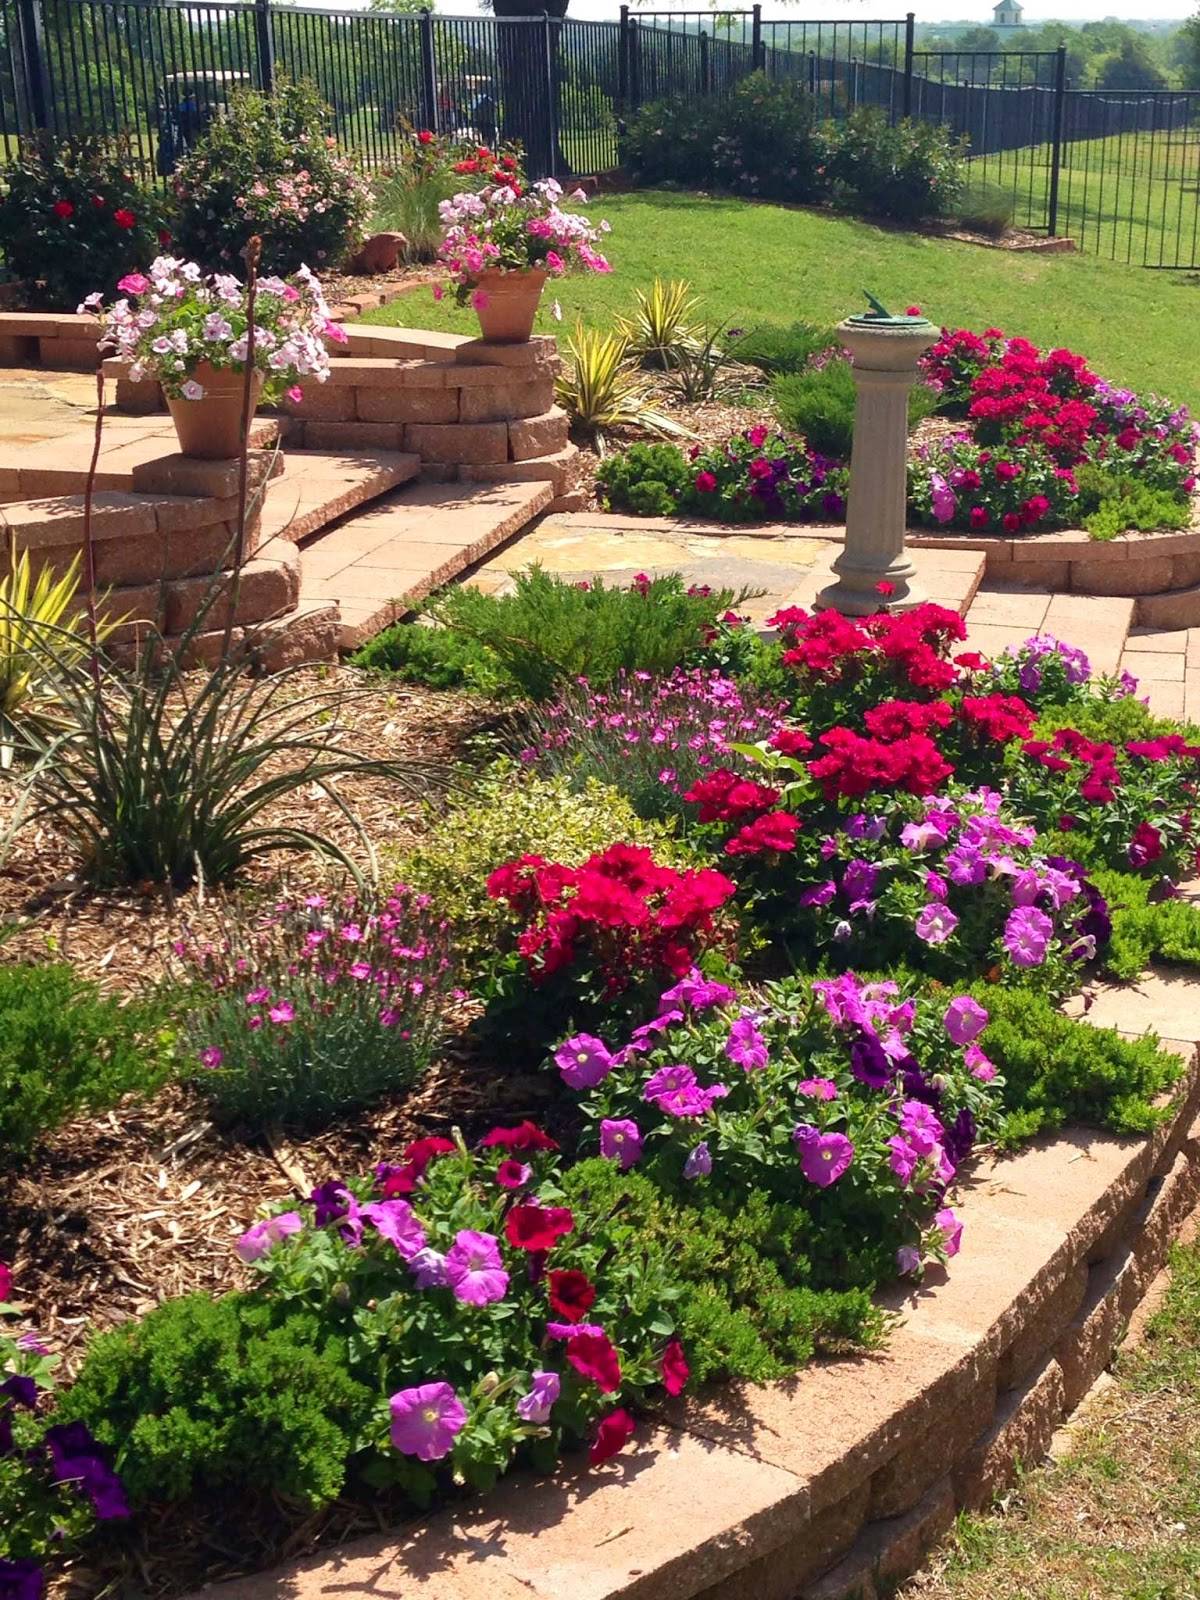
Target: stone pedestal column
column 885, row 351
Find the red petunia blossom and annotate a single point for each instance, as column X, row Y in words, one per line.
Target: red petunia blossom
column 675, row 1370
column 531, row 1227
column 63, row 209
column 425, row 136
column 594, row 1356
column 776, row 831
column 124, row 219
column 572, row 1294
column 790, row 742
column 612, row 1435
column 885, row 588
column 1145, row 846
column 525, row 1136
column 6, row 1281
column 417, row 1156
column 512, row 1174
column 998, row 717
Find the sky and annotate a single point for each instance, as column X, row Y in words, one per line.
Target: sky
column 1036, row 11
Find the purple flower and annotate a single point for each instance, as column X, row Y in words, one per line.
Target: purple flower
column 261, row 1236
column 395, row 1221
column 1027, row 935
column 965, row 865
column 211, row 1057
column 544, row 1389
column 584, row 1061
column 696, row 991
column 951, row 1230
column 474, row 1269
column 621, row 1141
column 921, row 1126
column 980, row 1066
column 861, row 826
column 75, row 1458
column 870, row 1062
column 942, row 498
column 820, row 894
column 964, row 1019
column 908, row 1260
column 428, row 1268
column 902, row 1158
column 823, row 1156
column 858, row 883
column 818, row 1088
column 426, row 1420
column 746, row 1047
column 675, row 1091
column 935, row 923
column 21, row 1580
column 283, row 1013
column 699, row 1162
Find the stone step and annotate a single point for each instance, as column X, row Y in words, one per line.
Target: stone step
column 948, row 577
column 1173, row 608
column 318, row 487
column 381, row 562
column 1002, row 617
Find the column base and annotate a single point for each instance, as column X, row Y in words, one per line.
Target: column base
column 855, row 590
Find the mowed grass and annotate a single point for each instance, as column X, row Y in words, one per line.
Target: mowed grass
column 1119, row 1517
column 752, row 263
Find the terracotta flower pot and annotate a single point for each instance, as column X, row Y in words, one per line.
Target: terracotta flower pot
column 506, row 304
column 211, row 428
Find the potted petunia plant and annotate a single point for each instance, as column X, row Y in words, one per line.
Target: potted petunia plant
column 503, row 242
column 190, row 332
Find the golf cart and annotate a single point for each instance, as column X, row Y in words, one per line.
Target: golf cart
column 186, row 104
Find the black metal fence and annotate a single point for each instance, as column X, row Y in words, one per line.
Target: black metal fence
column 1119, row 171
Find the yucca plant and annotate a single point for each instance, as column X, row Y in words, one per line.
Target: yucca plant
column 700, row 371
column 30, row 610
column 663, row 322
column 600, row 388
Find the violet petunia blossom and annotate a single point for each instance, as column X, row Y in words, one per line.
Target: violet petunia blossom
column 699, row 1161
column 1027, row 935
column 474, row 1269
column 428, row 1268
column 964, row 1019
column 395, row 1221
column 75, row 1458
column 426, row 1420
column 746, row 1047
column 544, row 1390
column 583, row 1060
column 621, row 1141
column 262, row 1236
column 824, row 1157
column 935, row 923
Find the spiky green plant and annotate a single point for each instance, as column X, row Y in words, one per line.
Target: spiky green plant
column 600, row 388
column 662, row 323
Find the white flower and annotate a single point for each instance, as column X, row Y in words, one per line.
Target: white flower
column 216, row 326
column 191, row 390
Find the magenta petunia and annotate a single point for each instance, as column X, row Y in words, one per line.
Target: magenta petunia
column 818, row 1088
column 262, row 1236
column 964, row 1019
column 824, row 1157
column 395, row 1221
column 621, row 1141
column 426, row 1420
column 583, row 1060
column 1027, row 935
column 746, row 1047
column 951, row 1231
column 935, row 922
column 474, row 1269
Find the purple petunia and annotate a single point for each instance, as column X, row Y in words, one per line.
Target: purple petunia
column 426, row 1420
column 75, row 1458
column 1027, row 935
column 699, row 1161
column 474, row 1269
column 583, row 1060
column 964, row 1019
column 395, row 1221
column 746, row 1047
column 544, row 1390
column 676, row 1091
column 262, row 1236
column 621, row 1141
column 428, row 1268
column 824, row 1157
column 935, row 923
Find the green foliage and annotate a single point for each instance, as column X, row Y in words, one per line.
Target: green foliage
column 600, row 388
column 782, row 349
column 662, row 322
column 509, row 814
column 426, row 171
column 1114, row 721
column 986, row 208
column 268, row 166
column 1057, row 1070
column 906, row 170
column 1112, row 504
column 818, row 402
column 65, row 1049
column 436, row 657
column 203, row 1395
column 551, row 629
column 110, row 225
column 647, row 479
column 1146, row 930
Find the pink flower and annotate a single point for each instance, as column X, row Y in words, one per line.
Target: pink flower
column 621, row 1141
column 513, row 1174
column 479, row 300
column 951, row 1231
column 980, row 1066
column 474, row 1269
column 211, row 1057
column 426, row 1420
column 675, row 1369
column 935, row 923
column 259, row 1238
column 284, row 1012
column 583, row 1060
column 964, row 1018
column 824, row 1157
column 818, row 1088
column 612, row 1435
column 438, row 292
column 555, row 262
column 395, row 1221
column 133, row 283
column 295, row 394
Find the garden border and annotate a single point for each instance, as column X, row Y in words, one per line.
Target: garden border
column 826, row 1486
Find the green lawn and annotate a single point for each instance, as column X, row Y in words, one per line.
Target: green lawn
column 1119, row 1517
column 753, row 263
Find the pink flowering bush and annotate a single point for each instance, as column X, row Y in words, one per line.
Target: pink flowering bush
column 853, row 1100
column 322, row 1006
column 172, row 317
column 505, row 227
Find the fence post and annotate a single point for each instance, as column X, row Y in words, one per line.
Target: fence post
column 1060, row 105
column 266, row 45
column 33, row 63
column 758, row 54
column 705, row 64
column 429, row 86
column 623, row 58
column 910, row 23
column 548, row 42
column 635, row 64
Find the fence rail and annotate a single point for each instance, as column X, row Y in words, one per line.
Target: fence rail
column 1119, row 170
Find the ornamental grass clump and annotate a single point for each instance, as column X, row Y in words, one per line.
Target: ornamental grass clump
column 849, row 1098
column 322, row 1006
column 649, row 738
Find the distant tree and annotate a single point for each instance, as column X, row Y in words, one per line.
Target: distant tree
column 1187, row 52
column 1131, row 68
column 402, row 5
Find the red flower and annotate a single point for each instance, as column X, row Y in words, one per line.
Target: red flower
column 706, row 482
column 790, row 742
column 612, row 1435
column 675, row 1370
column 1145, row 846
column 998, row 717
column 525, row 1136
column 417, row 1156
column 63, row 209
column 971, row 661
column 6, row 1281
column 885, row 588
column 979, row 517
column 724, row 796
column 98, row 201
column 594, row 1357
column 913, row 311
column 531, row 1227
column 425, row 136
column 1012, row 522
column 776, row 830
column 512, row 1174
column 164, row 237
column 572, row 1295
column 124, row 219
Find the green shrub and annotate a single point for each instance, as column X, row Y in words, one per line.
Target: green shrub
column 1112, row 721
column 1146, row 930
column 987, row 209
column 648, row 479
column 429, row 168
column 906, row 170
column 204, row 1395
column 777, row 349
column 507, row 815
column 73, row 220
column 265, row 167
column 65, row 1049
column 1112, row 503
column 1057, row 1070
column 818, row 403
column 435, row 657
column 671, row 142
column 553, row 629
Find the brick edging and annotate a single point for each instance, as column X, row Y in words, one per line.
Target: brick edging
column 834, row 1483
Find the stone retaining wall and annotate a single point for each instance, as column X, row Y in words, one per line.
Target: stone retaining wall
column 1161, row 571
column 832, row 1485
